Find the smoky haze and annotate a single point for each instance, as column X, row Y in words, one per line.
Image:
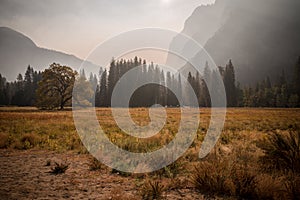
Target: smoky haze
column 260, row 37
column 76, row 27
column 39, row 33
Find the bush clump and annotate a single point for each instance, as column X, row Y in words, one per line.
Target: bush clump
column 59, row 168
column 152, row 190
column 95, row 164
column 282, row 151
column 28, row 141
column 4, row 141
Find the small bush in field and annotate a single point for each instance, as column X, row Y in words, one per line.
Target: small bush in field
column 269, row 187
column 225, row 176
column 124, row 174
column 152, row 190
column 292, row 185
column 171, row 171
column 282, row 151
column 28, row 141
column 95, row 164
column 226, row 137
column 4, row 140
column 59, row 168
column 119, row 194
column 245, row 183
column 48, row 163
column 213, row 177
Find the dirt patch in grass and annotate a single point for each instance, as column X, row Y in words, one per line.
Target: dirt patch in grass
column 27, row 175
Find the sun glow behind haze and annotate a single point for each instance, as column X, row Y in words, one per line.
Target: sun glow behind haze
column 166, row 2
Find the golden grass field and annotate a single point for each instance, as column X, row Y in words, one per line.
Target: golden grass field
column 31, row 141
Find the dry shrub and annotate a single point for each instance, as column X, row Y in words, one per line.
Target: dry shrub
column 95, row 164
column 292, row 186
column 172, row 170
column 59, row 168
column 178, row 183
column 245, row 183
column 226, row 176
column 213, row 177
column 228, row 136
column 282, row 151
column 152, row 190
column 48, row 162
column 269, row 187
column 282, row 158
column 121, row 173
column 4, row 140
column 118, row 193
column 28, row 141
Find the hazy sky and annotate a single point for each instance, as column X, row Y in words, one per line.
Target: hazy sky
column 77, row 26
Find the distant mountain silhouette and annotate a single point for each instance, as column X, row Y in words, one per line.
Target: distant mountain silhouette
column 17, row 51
column 261, row 37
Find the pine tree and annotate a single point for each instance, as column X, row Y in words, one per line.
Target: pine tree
column 187, row 91
column 268, row 83
column 3, row 92
column 179, row 88
column 18, row 93
column 207, row 75
column 97, row 96
column 239, row 93
column 197, row 86
column 111, row 81
column 173, row 98
column 282, row 79
column 229, row 82
column 296, row 81
column 168, row 92
column 205, row 96
column 246, row 97
column 156, row 86
column 28, row 87
column 37, row 77
column 93, row 80
column 103, row 92
column 8, row 94
column 163, row 90
column 82, row 74
column 206, row 84
column 216, row 86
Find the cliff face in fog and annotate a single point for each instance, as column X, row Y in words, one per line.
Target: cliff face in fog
column 200, row 26
column 261, row 37
column 17, row 51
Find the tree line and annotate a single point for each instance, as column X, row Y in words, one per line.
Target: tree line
column 21, row 92
column 53, row 87
column 282, row 93
column 144, row 96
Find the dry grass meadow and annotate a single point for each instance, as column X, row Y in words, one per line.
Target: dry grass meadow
column 257, row 157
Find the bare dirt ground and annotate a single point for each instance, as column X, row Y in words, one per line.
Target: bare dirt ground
column 24, row 175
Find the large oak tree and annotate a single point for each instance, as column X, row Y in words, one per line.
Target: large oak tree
column 56, row 87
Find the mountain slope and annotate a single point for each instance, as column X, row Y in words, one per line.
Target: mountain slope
column 200, row 26
column 17, row 51
column 261, row 37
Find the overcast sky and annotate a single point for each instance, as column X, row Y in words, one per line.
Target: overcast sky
column 77, row 26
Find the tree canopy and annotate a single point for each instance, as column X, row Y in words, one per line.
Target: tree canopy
column 56, row 87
